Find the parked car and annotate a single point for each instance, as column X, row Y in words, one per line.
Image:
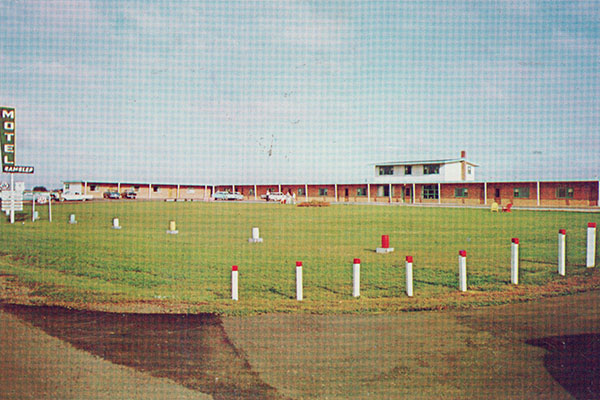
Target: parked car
column 275, row 196
column 129, row 195
column 112, row 195
column 228, row 196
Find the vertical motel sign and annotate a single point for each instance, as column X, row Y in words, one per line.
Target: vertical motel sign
column 8, row 143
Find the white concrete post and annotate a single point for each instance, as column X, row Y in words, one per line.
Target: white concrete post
column 514, row 261
column 356, row 278
column 462, row 270
column 33, row 209
column 591, row 245
column 299, row 280
column 115, row 224
column 234, row 283
column 255, row 236
column 50, row 208
column 409, row 276
column 562, row 258
column 72, row 219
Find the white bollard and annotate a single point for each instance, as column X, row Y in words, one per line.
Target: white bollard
column 255, row 236
column 356, row 278
column 514, row 261
column 462, row 270
column 172, row 228
column 72, row 219
column 234, row 283
column 299, row 280
column 591, row 245
column 115, row 224
column 409, row 276
column 562, row 256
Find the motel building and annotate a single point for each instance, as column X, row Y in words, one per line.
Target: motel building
column 442, row 181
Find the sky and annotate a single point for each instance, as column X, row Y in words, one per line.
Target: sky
column 209, row 92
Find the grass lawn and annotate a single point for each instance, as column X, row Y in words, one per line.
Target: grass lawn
column 89, row 262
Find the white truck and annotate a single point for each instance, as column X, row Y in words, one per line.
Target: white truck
column 74, row 192
column 75, row 196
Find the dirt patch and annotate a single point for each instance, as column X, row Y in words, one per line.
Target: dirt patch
column 193, row 350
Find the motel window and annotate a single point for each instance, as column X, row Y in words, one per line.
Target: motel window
column 408, row 170
column 361, row 191
column 67, row 186
column 430, row 192
column 386, row 170
column 431, row 169
column 521, row 193
column 136, row 188
column 301, row 192
column 251, row 192
column 322, row 191
column 461, row 192
column 469, row 170
column 93, row 188
column 564, row 193
column 156, row 189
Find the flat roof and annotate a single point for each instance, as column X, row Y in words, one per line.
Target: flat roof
column 420, row 162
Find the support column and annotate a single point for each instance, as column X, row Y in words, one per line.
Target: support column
column 149, row 191
column 485, row 193
column 85, row 187
column 255, row 196
column 368, row 192
column 336, row 192
column 413, row 193
column 306, row 192
column 538, row 192
column 178, row 188
column 439, row 193
column 390, row 193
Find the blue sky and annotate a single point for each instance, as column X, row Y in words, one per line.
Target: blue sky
column 298, row 91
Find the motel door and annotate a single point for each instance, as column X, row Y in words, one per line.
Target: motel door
column 497, row 197
column 408, row 195
column 346, row 193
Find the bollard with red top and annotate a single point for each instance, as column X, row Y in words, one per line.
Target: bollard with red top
column 299, row 294
column 462, row 270
column 234, row 282
column 591, row 245
column 562, row 254
column 514, row 261
column 356, row 277
column 385, row 245
column 409, row 276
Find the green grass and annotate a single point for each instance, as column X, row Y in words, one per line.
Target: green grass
column 90, row 262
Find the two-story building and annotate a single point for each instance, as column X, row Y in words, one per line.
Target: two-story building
column 429, row 174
